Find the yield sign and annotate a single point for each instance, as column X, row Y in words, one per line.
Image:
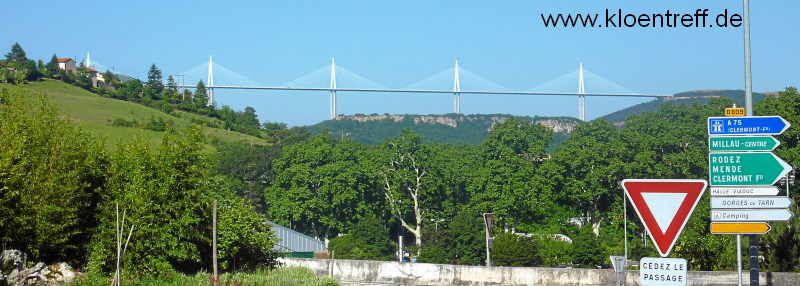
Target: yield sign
column 664, row 206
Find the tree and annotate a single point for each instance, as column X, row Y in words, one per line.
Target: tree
column 408, row 181
column 200, row 96
column 469, row 238
column 588, row 250
column 504, row 183
column 154, row 79
column 786, row 104
column 130, row 90
column 52, row 66
column 670, row 143
column 250, row 164
column 165, row 195
column 17, row 54
column 171, row 84
column 586, row 170
column 513, row 250
column 781, row 246
column 368, row 239
column 322, row 187
column 51, row 173
column 244, row 241
column 249, row 121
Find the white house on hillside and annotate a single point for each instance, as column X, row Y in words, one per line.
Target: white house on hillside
column 67, row 64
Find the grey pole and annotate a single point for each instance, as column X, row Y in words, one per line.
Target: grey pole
column 748, row 84
column 214, row 243
column 748, row 103
column 623, row 279
column 739, row 259
column 400, row 248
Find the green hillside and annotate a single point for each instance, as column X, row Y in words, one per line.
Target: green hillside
column 447, row 128
column 96, row 114
column 702, row 96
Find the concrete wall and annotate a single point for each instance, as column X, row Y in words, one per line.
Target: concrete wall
column 362, row 272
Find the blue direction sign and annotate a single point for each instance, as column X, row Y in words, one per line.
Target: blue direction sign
column 752, row 125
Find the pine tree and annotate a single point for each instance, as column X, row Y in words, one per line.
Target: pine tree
column 52, row 66
column 17, row 54
column 154, row 79
column 200, row 95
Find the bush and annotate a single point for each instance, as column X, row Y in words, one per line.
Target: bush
column 554, row 253
column 369, row 240
column 156, row 124
column 124, row 123
column 51, row 174
column 513, row 250
column 462, row 242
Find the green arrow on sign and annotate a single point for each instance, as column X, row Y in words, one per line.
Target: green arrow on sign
column 742, row 143
column 745, row 169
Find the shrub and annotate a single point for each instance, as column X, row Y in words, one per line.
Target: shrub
column 368, row 240
column 124, row 123
column 513, row 250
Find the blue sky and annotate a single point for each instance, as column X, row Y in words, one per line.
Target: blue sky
column 397, row 43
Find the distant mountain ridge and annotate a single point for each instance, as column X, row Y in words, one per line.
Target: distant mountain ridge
column 702, row 96
column 472, row 129
column 444, row 128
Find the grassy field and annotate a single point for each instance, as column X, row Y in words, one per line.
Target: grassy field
column 95, row 113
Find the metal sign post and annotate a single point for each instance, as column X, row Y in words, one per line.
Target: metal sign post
column 619, row 263
column 487, row 219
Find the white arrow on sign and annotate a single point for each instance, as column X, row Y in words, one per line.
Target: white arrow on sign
column 744, row 191
column 750, row 202
column 751, row 215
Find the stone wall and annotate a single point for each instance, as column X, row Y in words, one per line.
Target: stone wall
column 362, row 272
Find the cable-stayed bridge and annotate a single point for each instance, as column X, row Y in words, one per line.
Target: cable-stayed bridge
column 456, row 81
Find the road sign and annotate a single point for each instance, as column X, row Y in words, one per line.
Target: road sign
column 751, row 215
column 618, row 262
column 664, row 206
column 746, row 169
column 744, row 191
column 750, row 202
column 740, row 227
column 734, row 111
column 663, row 271
column 752, row 125
column 619, row 269
column 742, row 143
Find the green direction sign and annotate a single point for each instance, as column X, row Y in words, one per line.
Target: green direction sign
column 742, row 143
column 745, row 169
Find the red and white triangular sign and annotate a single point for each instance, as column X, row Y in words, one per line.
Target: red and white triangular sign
column 664, row 206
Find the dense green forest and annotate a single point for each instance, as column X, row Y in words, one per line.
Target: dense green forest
column 558, row 208
column 446, row 128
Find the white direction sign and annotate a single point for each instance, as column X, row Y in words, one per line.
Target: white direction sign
column 751, row 215
column 744, row 191
column 662, row 271
column 750, row 202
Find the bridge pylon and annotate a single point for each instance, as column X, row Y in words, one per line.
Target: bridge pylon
column 333, row 88
column 456, row 92
column 210, row 83
column 581, row 98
